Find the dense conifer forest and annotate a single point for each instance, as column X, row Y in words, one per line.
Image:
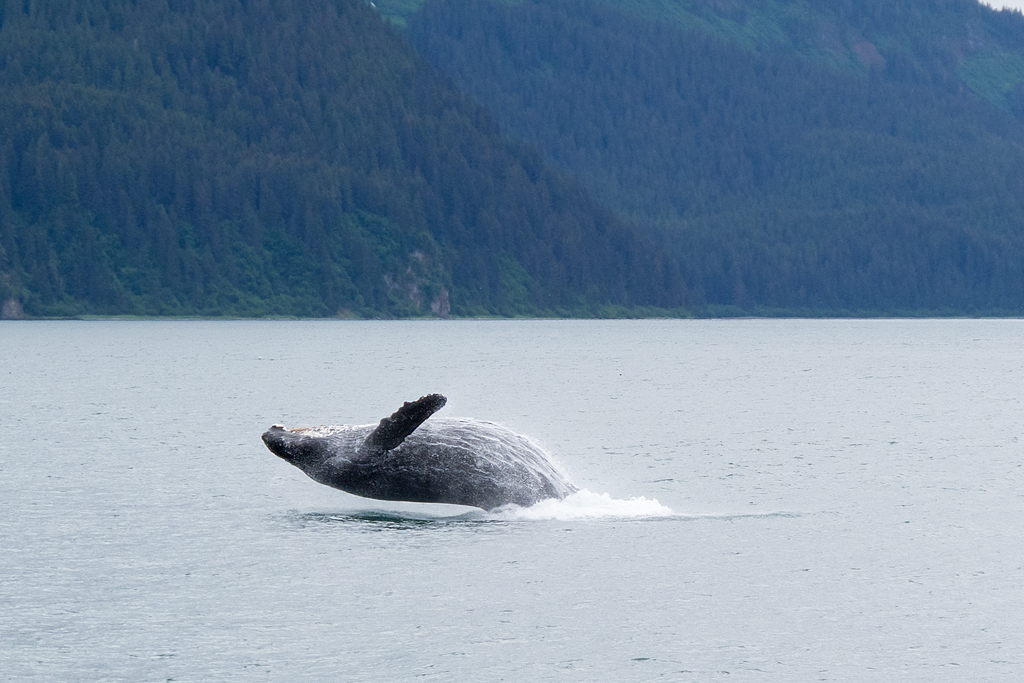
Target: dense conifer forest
column 476, row 157
column 840, row 163
column 278, row 157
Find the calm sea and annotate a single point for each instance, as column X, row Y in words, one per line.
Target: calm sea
column 763, row 501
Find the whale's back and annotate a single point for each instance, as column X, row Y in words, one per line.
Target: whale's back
column 463, row 461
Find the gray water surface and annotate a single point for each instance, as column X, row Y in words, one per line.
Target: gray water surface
column 837, row 501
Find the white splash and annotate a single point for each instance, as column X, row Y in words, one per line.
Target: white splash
column 586, row 505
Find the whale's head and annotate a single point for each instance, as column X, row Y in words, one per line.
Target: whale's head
column 309, row 448
column 281, row 442
column 301, row 447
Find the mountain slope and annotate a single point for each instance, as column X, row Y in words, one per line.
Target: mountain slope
column 799, row 156
column 277, row 157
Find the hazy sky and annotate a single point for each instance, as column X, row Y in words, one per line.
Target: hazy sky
column 999, row 4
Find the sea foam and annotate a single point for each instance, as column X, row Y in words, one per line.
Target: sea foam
column 585, row 505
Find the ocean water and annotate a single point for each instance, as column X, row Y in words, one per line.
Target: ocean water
column 763, row 500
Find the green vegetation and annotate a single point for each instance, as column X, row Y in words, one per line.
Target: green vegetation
column 303, row 158
column 996, row 76
column 847, row 35
column 847, row 168
column 278, row 157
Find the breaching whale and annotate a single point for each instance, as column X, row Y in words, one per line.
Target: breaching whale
column 446, row 460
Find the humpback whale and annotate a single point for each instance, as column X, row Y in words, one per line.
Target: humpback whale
column 407, row 458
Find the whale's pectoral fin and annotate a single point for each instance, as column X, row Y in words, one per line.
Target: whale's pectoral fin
column 392, row 431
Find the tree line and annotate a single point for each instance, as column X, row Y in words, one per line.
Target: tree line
column 781, row 179
column 280, row 157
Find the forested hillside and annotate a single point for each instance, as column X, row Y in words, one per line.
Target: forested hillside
column 278, row 157
column 290, row 157
column 801, row 156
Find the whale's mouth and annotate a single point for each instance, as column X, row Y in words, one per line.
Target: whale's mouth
column 278, row 440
